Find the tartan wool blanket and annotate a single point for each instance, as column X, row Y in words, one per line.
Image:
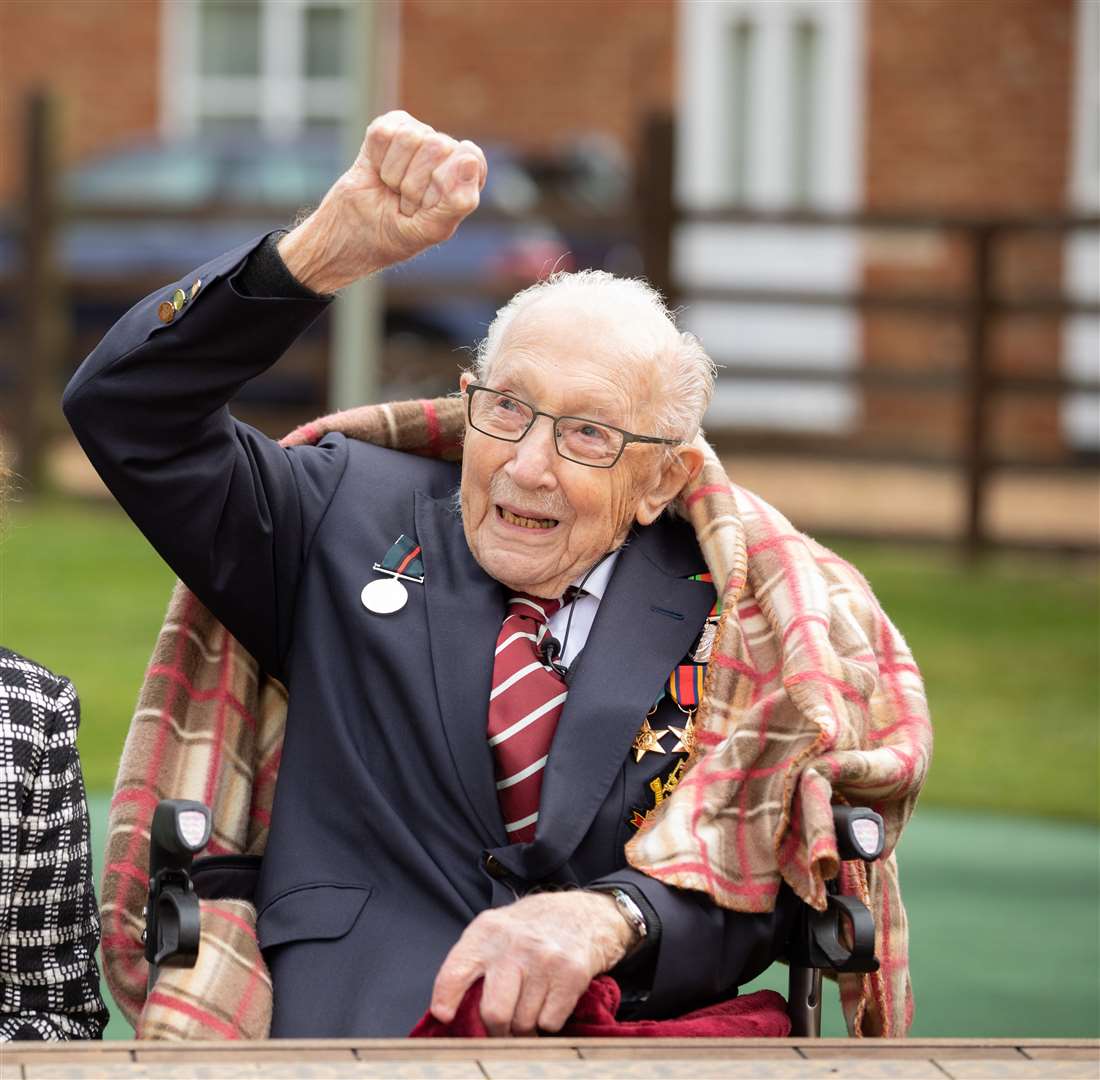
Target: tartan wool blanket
column 811, row 697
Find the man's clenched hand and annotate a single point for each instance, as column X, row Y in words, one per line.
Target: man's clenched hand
column 409, row 189
column 537, row 956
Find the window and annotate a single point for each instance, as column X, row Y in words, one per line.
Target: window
column 740, row 81
column 1081, row 337
column 770, row 117
column 276, row 67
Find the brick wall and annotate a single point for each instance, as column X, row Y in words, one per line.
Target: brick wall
column 101, row 57
column 969, row 110
column 533, row 73
column 530, row 73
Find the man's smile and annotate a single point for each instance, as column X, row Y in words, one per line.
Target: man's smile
column 529, row 523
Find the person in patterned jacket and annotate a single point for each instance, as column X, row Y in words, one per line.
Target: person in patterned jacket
column 49, row 921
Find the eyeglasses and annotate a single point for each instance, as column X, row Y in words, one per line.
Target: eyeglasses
column 587, row 442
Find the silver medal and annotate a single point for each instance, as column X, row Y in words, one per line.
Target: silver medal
column 384, row 596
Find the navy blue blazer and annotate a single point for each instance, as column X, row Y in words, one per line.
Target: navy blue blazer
column 386, row 838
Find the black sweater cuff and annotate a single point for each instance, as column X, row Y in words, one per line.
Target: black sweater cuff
column 264, row 274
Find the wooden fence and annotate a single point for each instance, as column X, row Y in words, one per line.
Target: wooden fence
column 977, row 307
column 46, row 294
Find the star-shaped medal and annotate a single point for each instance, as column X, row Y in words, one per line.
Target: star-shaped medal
column 647, row 740
column 685, row 736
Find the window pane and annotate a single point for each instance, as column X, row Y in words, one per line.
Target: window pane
column 229, row 125
column 229, row 37
column 804, row 94
column 324, row 41
column 323, row 127
column 740, row 82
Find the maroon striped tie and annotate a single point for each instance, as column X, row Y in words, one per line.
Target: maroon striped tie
column 524, row 707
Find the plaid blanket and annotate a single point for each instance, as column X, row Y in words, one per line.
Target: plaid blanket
column 811, row 697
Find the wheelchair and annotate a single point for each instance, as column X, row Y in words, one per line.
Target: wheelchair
column 839, row 939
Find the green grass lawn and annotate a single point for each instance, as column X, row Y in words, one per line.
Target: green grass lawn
column 83, row 593
column 1009, row 650
column 1002, row 909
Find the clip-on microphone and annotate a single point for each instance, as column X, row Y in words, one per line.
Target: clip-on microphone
column 549, row 651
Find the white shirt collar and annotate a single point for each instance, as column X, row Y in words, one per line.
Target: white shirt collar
column 596, row 584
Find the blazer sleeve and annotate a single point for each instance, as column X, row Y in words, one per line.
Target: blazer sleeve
column 230, row 511
column 702, row 952
column 49, row 981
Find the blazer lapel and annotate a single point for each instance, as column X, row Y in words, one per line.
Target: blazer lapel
column 465, row 609
column 648, row 619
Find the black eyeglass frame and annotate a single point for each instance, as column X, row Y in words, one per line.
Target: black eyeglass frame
column 628, row 436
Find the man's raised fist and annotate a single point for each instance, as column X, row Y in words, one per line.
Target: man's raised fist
column 409, row 188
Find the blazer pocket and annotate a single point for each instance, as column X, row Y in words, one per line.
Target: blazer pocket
column 311, row 913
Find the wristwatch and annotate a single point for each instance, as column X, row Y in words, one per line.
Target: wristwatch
column 629, row 911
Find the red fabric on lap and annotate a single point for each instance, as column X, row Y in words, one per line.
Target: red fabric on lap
column 760, row 1015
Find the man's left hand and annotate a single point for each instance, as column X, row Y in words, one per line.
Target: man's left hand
column 537, row 957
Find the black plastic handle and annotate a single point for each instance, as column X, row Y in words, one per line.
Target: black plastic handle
column 860, row 833
column 179, row 830
column 825, row 945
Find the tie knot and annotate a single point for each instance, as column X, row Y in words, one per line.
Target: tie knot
column 534, row 607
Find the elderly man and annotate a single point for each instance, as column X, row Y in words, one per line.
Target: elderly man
column 481, row 710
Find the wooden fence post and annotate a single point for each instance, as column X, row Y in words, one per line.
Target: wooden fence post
column 41, row 299
column 655, row 199
column 978, row 388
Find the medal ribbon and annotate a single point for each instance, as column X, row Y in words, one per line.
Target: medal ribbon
column 685, row 685
column 404, row 558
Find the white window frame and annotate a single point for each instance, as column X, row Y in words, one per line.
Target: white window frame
column 1081, row 335
column 281, row 96
column 782, row 256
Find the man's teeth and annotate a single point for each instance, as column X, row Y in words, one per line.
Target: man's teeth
column 526, row 522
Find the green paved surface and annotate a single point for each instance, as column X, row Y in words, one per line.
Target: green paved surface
column 1003, row 927
column 1004, row 931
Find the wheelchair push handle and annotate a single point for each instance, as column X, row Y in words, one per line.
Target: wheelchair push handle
column 842, row 937
column 860, row 833
column 180, row 830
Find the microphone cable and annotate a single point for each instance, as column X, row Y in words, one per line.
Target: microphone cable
column 551, row 648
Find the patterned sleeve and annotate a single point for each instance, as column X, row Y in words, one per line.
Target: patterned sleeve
column 49, row 922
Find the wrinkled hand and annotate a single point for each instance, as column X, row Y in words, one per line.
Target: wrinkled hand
column 409, row 189
column 537, row 955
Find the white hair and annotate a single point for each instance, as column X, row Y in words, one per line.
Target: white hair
column 687, row 372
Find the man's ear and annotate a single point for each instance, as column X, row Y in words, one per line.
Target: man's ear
column 464, row 380
column 677, row 471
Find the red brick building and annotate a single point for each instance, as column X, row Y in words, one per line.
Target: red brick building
column 983, row 106
column 528, row 73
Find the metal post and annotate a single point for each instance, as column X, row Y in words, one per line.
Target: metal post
column 655, row 195
column 804, row 1002
column 979, row 386
column 358, row 312
column 42, row 314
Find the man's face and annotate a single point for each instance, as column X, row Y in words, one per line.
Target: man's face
column 534, row 520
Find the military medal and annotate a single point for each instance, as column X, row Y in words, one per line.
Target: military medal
column 403, row 562
column 647, row 741
column 704, row 646
column 384, row 596
column 685, row 737
column 661, row 790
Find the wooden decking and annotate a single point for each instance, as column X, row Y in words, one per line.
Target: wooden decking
column 616, row 1059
